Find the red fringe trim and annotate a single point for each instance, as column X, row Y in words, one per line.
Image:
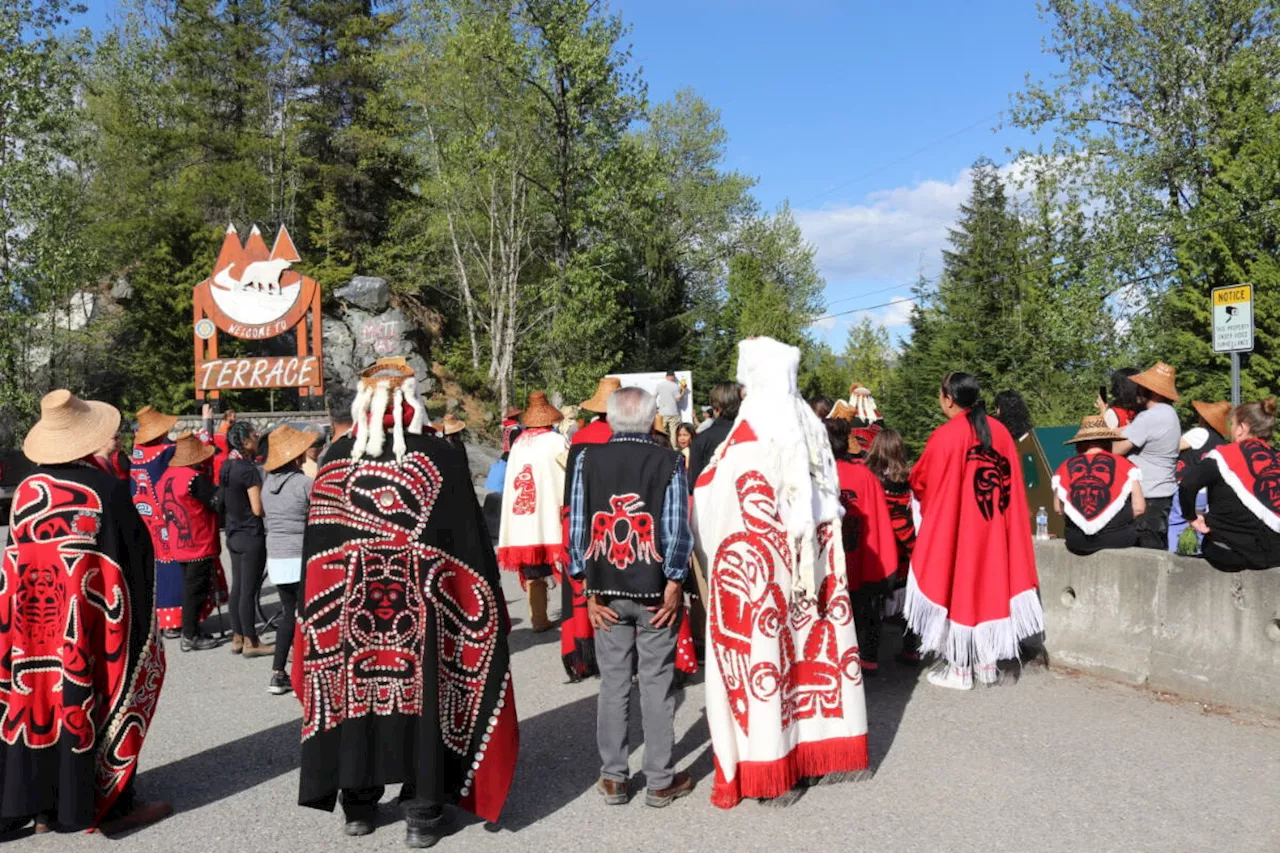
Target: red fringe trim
column 516, row 557
column 768, row 779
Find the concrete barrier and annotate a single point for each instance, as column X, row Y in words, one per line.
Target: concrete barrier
column 1170, row 623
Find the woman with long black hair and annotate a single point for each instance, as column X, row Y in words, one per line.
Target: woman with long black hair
column 246, row 538
column 972, row 588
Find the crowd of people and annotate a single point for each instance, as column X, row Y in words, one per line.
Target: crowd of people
column 773, row 544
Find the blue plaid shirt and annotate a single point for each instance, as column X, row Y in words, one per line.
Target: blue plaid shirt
column 675, row 534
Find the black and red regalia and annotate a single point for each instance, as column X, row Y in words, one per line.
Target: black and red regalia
column 80, row 664
column 402, row 664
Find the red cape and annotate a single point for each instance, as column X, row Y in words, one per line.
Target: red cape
column 972, row 586
column 870, row 547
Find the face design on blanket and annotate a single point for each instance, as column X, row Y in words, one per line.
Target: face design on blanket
column 1092, row 479
column 991, row 480
column 1264, row 464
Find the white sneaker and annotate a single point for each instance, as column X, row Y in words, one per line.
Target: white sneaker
column 987, row 675
column 952, row 677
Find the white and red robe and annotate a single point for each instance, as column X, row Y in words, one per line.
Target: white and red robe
column 531, row 535
column 784, row 684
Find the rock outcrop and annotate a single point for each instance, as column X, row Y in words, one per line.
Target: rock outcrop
column 364, row 327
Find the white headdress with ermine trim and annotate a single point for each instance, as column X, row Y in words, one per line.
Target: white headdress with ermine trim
column 387, row 382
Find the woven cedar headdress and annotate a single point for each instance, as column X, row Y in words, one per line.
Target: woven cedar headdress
column 388, row 382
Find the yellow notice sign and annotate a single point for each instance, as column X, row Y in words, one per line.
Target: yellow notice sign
column 1233, row 318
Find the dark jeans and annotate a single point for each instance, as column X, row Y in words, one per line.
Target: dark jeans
column 248, row 565
column 1228, row 558
column 1153, row 525
column 284, row 629
column 362, row 804
column 197, row 580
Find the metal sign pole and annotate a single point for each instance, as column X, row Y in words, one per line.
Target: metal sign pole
column 1235, row 379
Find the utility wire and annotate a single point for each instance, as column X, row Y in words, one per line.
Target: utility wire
column 1053, row 264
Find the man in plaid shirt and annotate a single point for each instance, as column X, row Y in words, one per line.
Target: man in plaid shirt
column 629, row 537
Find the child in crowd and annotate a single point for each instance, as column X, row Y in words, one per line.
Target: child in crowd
column 1122, row 406
column 887, row 459
column 1210, row 432
column 1099, row 493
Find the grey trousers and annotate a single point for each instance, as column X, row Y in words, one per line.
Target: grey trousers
column 616, row 651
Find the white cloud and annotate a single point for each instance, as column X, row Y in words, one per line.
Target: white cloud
column 898, row 313
column 895, row 233
column 892, row 234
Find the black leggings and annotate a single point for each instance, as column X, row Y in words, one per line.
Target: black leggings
column 248, row 564
column 197, row 578
column 284, row 630
column 868, row 605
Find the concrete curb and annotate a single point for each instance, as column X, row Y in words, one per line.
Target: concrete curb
column 1170, row 623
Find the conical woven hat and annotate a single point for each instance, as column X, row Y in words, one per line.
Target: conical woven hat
column 1160, row 378
column 599, row 403
column 152, row 425
column 190, row 451
column 540, row 412
column 1094, row 428
column 286, row 444
column 69, row 429
column 452, row 424
column 1215, row 414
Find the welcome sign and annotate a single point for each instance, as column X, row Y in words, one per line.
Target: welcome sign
column 254, row 294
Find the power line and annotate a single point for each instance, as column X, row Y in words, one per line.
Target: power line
column 904, row 158
column 1052, row 265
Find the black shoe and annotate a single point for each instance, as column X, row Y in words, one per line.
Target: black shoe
column 198, row 643
column 279, row 684
column 421, row 834
column 358, row 827
column 172, row 634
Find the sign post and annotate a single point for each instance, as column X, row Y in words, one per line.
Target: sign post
column 1233, row 328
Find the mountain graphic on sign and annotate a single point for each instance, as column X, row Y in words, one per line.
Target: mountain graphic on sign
column 249, row 283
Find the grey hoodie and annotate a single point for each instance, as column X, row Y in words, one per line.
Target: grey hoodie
column 286, row 496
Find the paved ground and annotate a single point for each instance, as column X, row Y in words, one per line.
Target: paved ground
column 1053, row 763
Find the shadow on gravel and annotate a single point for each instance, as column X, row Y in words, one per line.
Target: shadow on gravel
column 226, row 769
column 558, row 763
column 888, row 694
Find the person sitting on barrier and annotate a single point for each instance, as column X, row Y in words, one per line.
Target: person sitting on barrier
column 1210, row 432
column 1151, row 442
column 1099, row 493
column 1242, row 526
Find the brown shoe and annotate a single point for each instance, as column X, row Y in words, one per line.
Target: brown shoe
column 142, row 815
column 237, row 644
column 615, row 792
column 681, row 786
column 257, row 649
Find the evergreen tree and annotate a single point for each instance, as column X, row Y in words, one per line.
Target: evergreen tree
column 349, row 141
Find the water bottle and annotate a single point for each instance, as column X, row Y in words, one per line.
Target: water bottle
column 1042, row 524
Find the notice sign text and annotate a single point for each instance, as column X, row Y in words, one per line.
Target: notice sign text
column 1233, row 318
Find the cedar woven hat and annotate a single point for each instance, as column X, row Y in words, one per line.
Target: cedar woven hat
column 452, row 424
column 512, row 412
column 1094, row 428
column 286, row 444
column 190, row 451
column 152, row 425
column 540, row 412
column 69, row 429
column 1214, row 414
column 1160, row 378
column 600, row 402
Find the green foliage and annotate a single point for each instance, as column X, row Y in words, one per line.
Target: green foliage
column 1165, row 120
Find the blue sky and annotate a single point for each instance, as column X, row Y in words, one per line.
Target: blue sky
column 828, row 104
